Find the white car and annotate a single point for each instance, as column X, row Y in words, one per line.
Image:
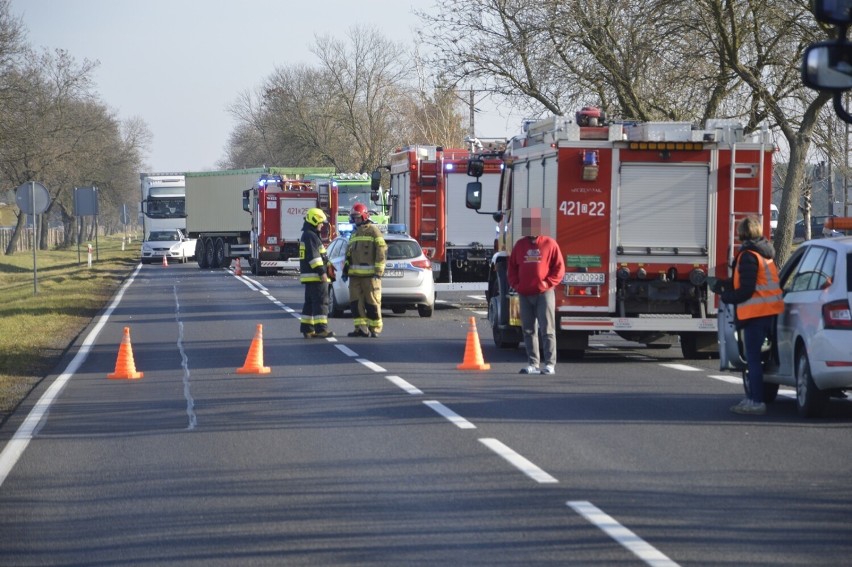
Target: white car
column 170, row 243
column 407, row 282
column 812, row 347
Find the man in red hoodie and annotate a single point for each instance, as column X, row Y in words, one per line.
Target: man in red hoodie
column 536, row 267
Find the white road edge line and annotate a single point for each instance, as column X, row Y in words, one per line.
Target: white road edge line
column 22, row 437
column 521, row 463
column 449, row 414
column 404, row 385
column 346, row 350
column 639, row 547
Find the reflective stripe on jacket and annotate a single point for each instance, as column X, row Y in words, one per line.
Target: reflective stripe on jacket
column 312, row 258
column 367, row 252
column 766, row 299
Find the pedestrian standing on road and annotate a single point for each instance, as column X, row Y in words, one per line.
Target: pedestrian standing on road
column 536, row 267
column 755, row 292
column 364, row 267
column 314, row 269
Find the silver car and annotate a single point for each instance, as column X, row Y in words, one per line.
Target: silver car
column 812, row 347
column 407, row 282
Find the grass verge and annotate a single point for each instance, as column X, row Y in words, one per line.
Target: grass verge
column 36, row 328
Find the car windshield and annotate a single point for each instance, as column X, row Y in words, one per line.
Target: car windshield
column 401, row 249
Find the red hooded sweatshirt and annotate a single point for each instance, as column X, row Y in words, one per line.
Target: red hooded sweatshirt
column 535, row 265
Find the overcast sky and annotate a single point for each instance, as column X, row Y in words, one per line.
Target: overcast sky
column 178, row 64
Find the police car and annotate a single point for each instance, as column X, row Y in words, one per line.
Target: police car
column 407, row 282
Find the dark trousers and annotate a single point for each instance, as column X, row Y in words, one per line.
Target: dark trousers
column 315, row 310
column 755, row 332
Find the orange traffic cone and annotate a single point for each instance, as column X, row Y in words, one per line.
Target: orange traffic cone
column 254, row 359
column 472, row 351
column 125, row 368
column 165, row 261
column 238, row 269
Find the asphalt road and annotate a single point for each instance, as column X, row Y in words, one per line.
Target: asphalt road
column 381, row 452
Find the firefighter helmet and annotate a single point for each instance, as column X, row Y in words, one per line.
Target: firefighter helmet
column 359, row 213
column 315, row 217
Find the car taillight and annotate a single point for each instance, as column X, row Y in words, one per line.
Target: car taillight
column 836, row 315
column 422, row 264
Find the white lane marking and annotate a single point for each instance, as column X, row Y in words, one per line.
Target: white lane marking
column 727, row 378
column 683, row 367
column 22, row 437
column 633, row 543
column 404, row 385
column 346, row 350
column 521, row 463
column 483, row 313
column 371, row 365
column 477, row 297
column 449, row 414
column 248, row 284
column 787, row 393
column 184, row 362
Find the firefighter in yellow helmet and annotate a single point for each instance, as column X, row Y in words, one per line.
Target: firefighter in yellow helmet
column 364, row 267
column 314, row 269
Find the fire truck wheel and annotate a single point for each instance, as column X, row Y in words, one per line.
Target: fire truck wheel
column 501, row 340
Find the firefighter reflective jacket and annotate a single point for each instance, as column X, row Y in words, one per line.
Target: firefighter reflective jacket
column 312, row 258
column 367, row 252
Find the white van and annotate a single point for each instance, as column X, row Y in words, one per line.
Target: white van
column 773, row 220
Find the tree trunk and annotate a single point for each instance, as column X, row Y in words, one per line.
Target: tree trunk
column 16, row 234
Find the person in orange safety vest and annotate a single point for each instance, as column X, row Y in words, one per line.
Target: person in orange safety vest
column 756, row 294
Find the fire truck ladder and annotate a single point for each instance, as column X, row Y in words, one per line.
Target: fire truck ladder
column 742, row 171
column 429, row 205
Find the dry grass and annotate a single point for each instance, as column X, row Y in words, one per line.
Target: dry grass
column 37, row 328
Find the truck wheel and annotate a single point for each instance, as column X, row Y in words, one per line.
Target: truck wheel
column 209, row 253
column 220, row 261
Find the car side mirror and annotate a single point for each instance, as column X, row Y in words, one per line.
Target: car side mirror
column 828, row 66
column 838, row 12
column 473, row 196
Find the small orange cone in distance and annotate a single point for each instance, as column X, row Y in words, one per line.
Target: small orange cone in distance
column 254, row 359
column 165, row 261
column 472, row 351
column 125, row 368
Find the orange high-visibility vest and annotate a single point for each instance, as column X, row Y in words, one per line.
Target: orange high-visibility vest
column 766, row 299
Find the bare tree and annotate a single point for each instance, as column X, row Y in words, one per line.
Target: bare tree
column 646, row 60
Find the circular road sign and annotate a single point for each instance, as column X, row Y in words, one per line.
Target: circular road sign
column 32, row 198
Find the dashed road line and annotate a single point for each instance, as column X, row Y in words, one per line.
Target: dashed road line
column 449, row 414
column 639, row 547
column 371, row 365
column 521, row 463
column 404, row 385
column 683, row 367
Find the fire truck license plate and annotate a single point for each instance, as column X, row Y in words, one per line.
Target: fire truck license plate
column 584, row 278
column 393, row 274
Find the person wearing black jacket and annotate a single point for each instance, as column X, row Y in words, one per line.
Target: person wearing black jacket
column 313, row 268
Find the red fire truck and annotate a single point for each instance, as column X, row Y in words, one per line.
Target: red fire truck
column 427, row 192
column 643, row 213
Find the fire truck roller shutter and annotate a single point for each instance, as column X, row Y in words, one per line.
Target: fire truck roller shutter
column 663, row 205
